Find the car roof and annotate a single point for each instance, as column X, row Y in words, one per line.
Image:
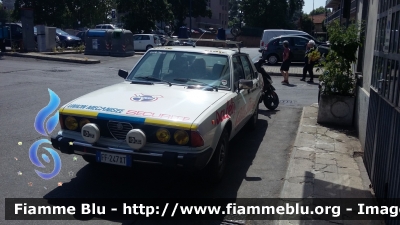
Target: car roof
column 199, row 49
column 283, row 36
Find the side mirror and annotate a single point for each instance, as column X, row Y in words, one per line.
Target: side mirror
column 245, row 84
column 123, row 73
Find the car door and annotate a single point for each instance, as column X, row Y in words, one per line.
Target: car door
column 146, row 41
column 137, row 41
column 252, row 94
column 299, row 48
column 242, row 96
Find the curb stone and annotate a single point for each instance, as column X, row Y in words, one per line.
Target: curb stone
column 53, row 58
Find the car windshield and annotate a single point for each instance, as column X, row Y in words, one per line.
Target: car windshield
column 184, row 68
column 61, row 32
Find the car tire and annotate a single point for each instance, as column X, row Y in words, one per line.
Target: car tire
column 272, row 59
column 252, row 123
column 215, row 168
column 148, row 47
column 90, row 159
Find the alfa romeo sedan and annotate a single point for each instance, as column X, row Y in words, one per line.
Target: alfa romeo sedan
column 179, row 106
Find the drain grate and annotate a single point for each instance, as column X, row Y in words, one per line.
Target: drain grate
column 233, row 222
column 287, row 101
column 57, row 70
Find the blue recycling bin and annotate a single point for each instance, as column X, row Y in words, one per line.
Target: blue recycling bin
column 183, row 33
column 221, row 34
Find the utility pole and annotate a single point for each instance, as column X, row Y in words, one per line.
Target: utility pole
column 312, row 18
column 190, row 15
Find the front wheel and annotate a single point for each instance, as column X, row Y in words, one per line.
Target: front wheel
column 271, row 100
column 216, row 167
column 272, row 59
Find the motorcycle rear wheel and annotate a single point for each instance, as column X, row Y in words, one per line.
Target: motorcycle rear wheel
column 271, row 100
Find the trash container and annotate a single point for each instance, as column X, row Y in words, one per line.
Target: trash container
column 98, row 42
column 122, row 43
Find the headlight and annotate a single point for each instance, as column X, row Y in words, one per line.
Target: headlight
column 83, row 122
column 163, row 135
column 181, row 137
column 71, row 123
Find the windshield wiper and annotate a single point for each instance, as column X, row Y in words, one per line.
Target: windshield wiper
column 154, row 79
column 196, row 81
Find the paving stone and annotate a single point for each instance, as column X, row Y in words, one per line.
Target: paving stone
column 305, row 140
column 304, row 154
column 326, row 168
column 328, row 177
column 306, row 149
column 324, row 160
column 349, row 171
column 321, row 130
column 347, row 164
column 352, row 183
column 300, row 180
column 300, row 168
column 310, row 130
column 326, row 189
column 325, row 139
column 325, row 146
column 297, row 190
column 343, row 148
column 309, row 121
column 332, row 134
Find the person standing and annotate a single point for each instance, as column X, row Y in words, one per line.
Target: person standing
column 285, row 62
column 309, row 64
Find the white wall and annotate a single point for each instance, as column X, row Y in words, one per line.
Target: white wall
column 363, row 93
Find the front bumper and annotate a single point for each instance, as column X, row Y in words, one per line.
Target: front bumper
column 192, row 161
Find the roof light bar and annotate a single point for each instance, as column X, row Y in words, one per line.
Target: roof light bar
column 238, row 44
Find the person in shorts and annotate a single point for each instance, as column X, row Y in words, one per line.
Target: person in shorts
column 285, row 63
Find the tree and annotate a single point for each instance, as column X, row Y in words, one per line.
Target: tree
column 306, row 24
column 270, row 14
column 143, row 14
column 181, row 8
column 66, row 13
column 320, row 10
column 233, row 12
column 4, row 15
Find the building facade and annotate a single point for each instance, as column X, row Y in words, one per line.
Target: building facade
column 219, row 18
column 337, row 7
column 377, row 116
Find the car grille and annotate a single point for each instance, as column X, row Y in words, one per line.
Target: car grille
column 119, row 129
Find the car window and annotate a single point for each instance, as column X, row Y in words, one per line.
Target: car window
column 145, row 37
column 300, row 42
column 98, row 27
column 248, row 70
column 137, row 37
column 18, row 29
column 184, row 68
column 238, row 72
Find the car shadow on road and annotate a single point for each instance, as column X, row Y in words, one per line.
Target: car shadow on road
column 267, row 113
column 152, row 181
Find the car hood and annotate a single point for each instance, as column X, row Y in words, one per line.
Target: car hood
column 156, row 104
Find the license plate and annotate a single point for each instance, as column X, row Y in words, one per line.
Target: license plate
column 112, row 158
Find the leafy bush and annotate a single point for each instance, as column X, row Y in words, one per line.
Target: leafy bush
column 337, row 77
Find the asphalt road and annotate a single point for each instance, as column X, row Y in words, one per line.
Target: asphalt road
column 256, row 169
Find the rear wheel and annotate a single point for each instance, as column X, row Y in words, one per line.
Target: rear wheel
column 272, row 59
column 216, row 167
column 148, row 47
column 271, row 100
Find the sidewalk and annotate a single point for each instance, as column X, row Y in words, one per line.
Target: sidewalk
column 325, row 163
column 296, row 70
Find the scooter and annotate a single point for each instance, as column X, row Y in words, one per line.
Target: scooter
column 270, row 98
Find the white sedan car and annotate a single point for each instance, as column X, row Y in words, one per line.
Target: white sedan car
column 178, row 106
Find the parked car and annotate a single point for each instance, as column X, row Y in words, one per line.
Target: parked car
column 274, row 49
column 163, row 39
column 106, row 26
column 15, row 32
column 201, row 30
column 82, row 36
column 271, row 33
column 143, row 42
column 179, row 106
column 321, row 43
column 66, row 40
